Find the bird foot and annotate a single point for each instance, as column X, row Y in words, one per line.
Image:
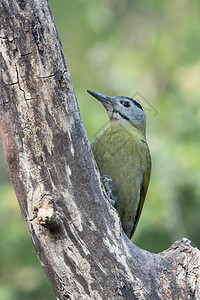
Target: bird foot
column 108, row 184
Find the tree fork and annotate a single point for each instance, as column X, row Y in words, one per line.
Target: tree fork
column 56, row 180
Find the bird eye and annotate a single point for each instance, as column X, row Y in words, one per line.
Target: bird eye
column 125, row 103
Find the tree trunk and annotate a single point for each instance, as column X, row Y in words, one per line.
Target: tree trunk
column 75, row 231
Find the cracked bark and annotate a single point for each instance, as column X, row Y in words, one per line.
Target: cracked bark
column 53, row 171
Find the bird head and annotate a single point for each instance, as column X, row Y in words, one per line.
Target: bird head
column 122, row 108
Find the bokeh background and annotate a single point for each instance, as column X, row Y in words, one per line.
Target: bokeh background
column 149, row 50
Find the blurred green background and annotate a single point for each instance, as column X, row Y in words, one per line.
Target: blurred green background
column 149, row 50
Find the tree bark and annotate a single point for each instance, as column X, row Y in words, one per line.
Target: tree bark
column 75, row 231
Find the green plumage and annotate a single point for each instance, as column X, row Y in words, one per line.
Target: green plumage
column 122, row 153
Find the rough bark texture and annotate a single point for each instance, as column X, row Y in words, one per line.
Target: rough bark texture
column 86, row 256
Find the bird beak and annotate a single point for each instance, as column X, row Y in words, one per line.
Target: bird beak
column 100, row 97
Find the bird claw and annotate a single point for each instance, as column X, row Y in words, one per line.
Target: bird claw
column 108, row 184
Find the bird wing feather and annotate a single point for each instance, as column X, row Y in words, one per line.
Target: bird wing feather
column 144, row 185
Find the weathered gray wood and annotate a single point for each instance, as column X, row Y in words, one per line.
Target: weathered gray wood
column 86, row 256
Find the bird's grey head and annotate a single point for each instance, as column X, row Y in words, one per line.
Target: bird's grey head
column 122, row 108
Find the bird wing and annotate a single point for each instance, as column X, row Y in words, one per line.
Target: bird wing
column 144, row 184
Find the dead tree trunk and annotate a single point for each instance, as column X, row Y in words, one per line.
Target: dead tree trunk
column 75, row 232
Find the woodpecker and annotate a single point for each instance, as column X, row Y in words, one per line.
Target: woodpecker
column 122, row 154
